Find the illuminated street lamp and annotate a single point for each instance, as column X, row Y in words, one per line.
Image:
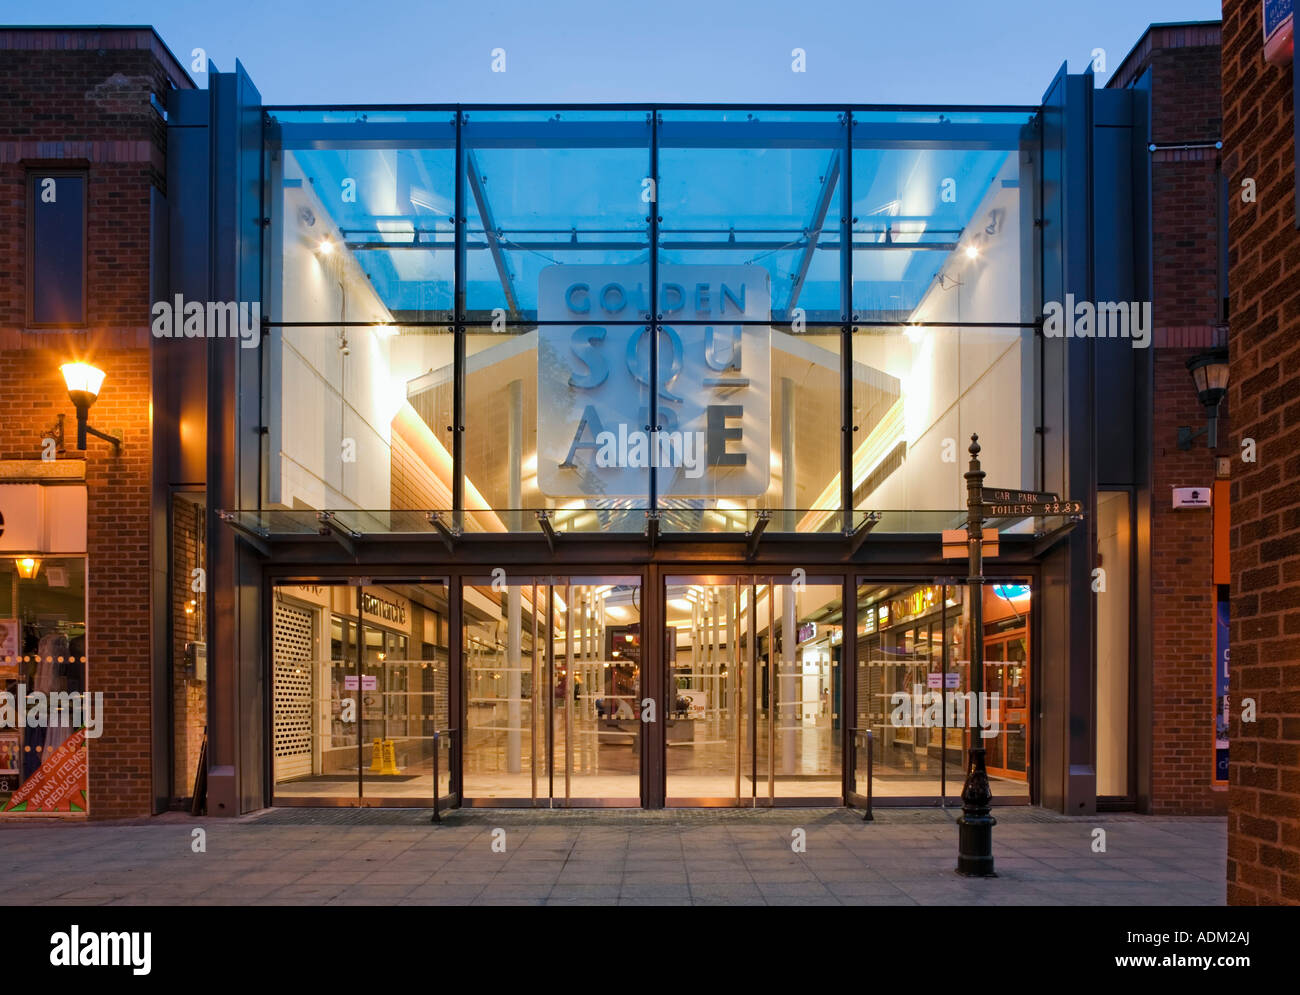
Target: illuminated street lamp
column 28, row 567
column 1209, row 373
column 83, row 382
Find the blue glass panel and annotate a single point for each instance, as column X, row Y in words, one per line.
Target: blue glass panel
column 552, row 188
column 938, row 218
column 362, row 203
column 757, row 188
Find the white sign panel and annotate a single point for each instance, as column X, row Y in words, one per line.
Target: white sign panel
column 1192, row 497
column 714, row 412
column 35, row 518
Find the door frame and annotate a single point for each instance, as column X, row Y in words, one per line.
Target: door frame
column 751, row 576
column 547, row 799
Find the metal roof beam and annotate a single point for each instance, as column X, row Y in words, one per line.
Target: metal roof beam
column 829, row 183
column 490, row 230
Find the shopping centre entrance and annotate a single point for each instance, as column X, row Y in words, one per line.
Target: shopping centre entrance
column 757, row 689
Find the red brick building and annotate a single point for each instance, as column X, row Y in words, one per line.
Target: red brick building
column 1260, row 147
column 1180, row 63
column 86, row 105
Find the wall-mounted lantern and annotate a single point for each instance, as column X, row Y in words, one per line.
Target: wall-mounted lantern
column 1209, row 372
column 83, row 382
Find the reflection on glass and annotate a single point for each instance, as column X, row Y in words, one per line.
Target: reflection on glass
column 189, row 679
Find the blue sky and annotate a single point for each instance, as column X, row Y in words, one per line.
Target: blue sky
column 863, row 51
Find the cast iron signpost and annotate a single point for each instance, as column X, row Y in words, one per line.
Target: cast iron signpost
column 975, row 827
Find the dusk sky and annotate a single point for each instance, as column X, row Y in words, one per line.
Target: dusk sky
column 696, row 51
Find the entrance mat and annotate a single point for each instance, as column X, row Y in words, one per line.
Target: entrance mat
column 762, row 778
column 667, row 817
column 352, row 779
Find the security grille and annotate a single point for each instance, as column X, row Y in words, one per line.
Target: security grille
column 291, row 667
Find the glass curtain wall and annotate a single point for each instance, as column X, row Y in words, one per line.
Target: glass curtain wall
column 590, row 314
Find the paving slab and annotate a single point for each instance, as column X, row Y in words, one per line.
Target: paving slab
column 600, row 857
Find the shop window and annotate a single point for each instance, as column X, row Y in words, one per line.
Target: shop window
column 56, row 248
column 46, row 715
column 914, row 641
column 189, row 640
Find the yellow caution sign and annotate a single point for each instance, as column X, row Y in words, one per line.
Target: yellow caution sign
column 377, row 757
column 390, row 759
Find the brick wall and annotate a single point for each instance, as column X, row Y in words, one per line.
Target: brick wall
column 1264, row 793
column 1185, row 111
column 82, row 98
column 1183, row 597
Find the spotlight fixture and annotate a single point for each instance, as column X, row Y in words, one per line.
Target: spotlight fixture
column 972, row 252
column 326, row 246
column 83, row 382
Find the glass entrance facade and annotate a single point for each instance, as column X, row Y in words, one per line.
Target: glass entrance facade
column 754, row 693
column 677, row 400
column 360, row 694
column 914, row 692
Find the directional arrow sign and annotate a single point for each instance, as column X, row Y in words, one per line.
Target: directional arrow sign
column 1002, row 495
column 1033, row 509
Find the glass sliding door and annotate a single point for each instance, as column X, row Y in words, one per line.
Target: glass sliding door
column 753, row 691
column 403, row 692
column 359, row 689
column 709, row 696
column 553, row 691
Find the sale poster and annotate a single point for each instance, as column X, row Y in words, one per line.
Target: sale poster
column 59, row 784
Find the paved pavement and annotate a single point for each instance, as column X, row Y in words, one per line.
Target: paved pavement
column 695, row 857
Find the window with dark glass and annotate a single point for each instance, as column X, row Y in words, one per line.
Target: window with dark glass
column 56, row 248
